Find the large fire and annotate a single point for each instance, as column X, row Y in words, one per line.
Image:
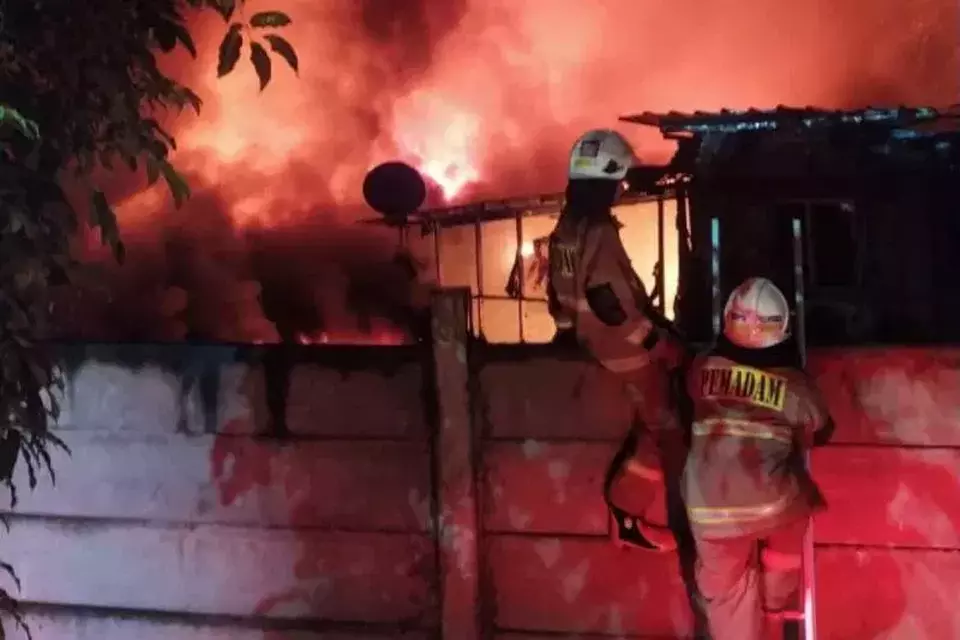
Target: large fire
column 441, row 139
column 484, row 97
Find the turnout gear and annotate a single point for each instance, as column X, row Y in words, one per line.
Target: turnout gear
column 602, row 154
column 595, row 295
column 635, row 487
column 750, row 428
column 594, row 290
column 746, row 488
column 742, row 591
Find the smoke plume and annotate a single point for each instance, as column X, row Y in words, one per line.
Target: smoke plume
column 485, row 98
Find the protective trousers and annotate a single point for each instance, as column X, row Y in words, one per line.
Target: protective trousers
column 653, row 397
column 640, row 486
column 744, row 582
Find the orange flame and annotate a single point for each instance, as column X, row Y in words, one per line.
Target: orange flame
column 490, row 95
column 441, row 138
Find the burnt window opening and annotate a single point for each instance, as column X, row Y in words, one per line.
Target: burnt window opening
column 835, row 309
column 758, row 242
column 833, row 250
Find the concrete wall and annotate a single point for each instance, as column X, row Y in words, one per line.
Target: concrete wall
column 886, row 559
column 550, row 428
column 175, row 518
column 395, row 493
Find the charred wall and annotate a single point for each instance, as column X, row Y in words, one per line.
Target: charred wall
column 878, row 252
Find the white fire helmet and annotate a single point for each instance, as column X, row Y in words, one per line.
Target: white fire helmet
column 756, row 315
column 602, row 153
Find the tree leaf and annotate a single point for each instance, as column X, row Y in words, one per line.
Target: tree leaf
column 165, row 36
column 103, row 217
column 285, row 50
column 179, row 188
column 27, row 128
column 153, row 171
column 225, row 8
column 193, row 100
column 131, row 161
column 230, row 50
column 183, row 37
column 151, row 126
column 266, row 19
column 100, row 213
column 261, row 62
column 182, row 96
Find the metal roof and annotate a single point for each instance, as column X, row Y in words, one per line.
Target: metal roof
column 783, row 117
column 508, row 209
column 901, row 122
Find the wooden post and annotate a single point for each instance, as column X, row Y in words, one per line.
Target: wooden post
column 454, row 448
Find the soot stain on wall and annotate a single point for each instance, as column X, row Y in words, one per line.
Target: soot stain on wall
column 199, row 369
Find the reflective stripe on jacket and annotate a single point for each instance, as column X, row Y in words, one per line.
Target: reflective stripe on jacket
column 745, row 471
column 586, row 253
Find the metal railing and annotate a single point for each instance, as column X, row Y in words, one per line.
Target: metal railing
column 477, row 217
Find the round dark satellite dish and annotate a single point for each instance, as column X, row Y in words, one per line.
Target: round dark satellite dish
column 394, row 190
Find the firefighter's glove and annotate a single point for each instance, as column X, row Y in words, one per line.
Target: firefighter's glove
column 668, row 352
column 566, row 338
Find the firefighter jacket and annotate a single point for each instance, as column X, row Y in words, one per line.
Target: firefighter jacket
column 594, row 291
column 745, row 473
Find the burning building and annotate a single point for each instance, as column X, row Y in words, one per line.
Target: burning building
column 497, row 249
column 277, row 176
column 872, row 191
column 850, row 177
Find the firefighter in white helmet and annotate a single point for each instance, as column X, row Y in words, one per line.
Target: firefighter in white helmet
column 596, row 297
column 745, row 485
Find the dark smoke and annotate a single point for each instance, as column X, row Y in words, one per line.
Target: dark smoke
column 291, row 265
column 200, row 278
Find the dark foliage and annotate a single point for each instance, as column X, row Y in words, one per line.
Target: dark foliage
column 81, row 93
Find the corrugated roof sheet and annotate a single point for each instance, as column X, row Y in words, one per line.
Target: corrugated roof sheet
column 508, row 209
column 731, row 121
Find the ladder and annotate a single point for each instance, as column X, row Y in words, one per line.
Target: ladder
column 804, row 620
column 809, row 614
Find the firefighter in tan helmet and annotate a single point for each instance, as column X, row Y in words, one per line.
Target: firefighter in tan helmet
column 745, row 486
column 596, row 297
